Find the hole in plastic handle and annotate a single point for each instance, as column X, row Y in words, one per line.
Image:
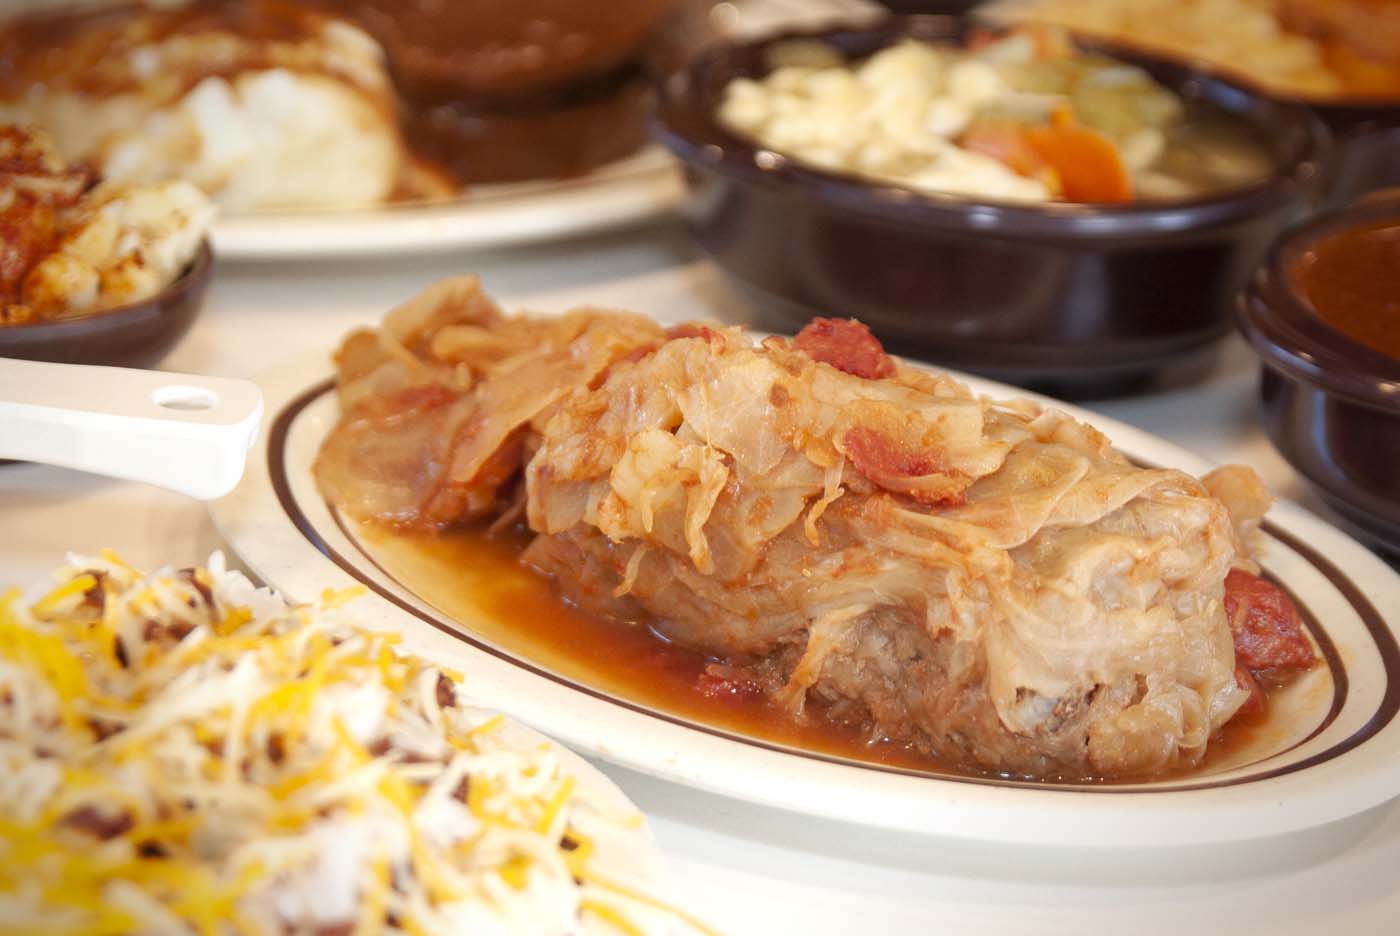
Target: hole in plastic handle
column 184, row 397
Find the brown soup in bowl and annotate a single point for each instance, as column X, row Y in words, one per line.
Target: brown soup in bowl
column 1351, row 279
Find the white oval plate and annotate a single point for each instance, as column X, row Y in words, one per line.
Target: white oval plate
column 1339, row 753
column 486, row 216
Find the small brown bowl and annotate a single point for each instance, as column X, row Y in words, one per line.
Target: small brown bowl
column 1074, row 295
column 135, row 335
column 486, row 52
column 1330, row 404
column 1366, row 132
column 1367, row 161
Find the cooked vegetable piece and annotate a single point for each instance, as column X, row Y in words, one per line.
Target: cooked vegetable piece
column 1268, row 631
column 846, row 345
column 1086, row 162
column 1007, row 143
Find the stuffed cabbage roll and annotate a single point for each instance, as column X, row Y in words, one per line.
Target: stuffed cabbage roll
column 860, row 540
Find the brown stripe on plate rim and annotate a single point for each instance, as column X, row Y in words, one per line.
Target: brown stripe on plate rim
column 1375, row 625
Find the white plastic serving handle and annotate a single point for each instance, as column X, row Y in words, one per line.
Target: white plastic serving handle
column 189, row 434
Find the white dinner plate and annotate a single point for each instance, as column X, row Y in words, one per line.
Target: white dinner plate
column 1336, row 753
column 485, row 216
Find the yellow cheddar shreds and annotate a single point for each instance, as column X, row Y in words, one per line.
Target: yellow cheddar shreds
column 516, row 872
column 635, row 896
column 555, row 807
column 75, row 587
column 192, row 747
column 617, row 919
column 330, row 598
column 491, row 724
column 374, row 903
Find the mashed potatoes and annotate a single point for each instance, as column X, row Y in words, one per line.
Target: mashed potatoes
column 262, row 106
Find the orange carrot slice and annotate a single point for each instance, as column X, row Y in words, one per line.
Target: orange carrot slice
column 1086, row 162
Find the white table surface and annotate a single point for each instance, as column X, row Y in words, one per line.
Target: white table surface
column 747, row 870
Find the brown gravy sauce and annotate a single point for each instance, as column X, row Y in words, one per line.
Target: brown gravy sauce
column 472, row 576
column 1352, row 280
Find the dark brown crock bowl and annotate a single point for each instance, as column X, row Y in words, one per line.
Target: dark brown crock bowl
column 1366, row 161
column 1366, row 132
column 1071, row 294
column 1330, row 404
column 136, row 335
column 486, row 50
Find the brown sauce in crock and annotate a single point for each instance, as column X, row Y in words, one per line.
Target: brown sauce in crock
column 1352, row 281
column 472, row 576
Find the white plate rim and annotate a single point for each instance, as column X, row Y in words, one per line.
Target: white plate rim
column 630, row 190
column 262, row 533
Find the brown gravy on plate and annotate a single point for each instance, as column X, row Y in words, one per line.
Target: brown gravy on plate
column 470, row 575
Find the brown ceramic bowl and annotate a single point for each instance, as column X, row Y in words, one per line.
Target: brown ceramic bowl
column 1072, row 294
column 1367, row 160
column 1330, row 404
column 494, row 50
column 1366, row 131
column 136, row 335
column 494, row 92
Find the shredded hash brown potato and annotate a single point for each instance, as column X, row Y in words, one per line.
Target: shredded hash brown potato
column 182, row 752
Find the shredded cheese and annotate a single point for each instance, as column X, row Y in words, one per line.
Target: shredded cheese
column 185, row 752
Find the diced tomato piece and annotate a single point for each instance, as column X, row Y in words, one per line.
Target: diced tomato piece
column 1007, row 144
column 846, row 345
column 1267, row 628
column 875, row 456
column 895, row 468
